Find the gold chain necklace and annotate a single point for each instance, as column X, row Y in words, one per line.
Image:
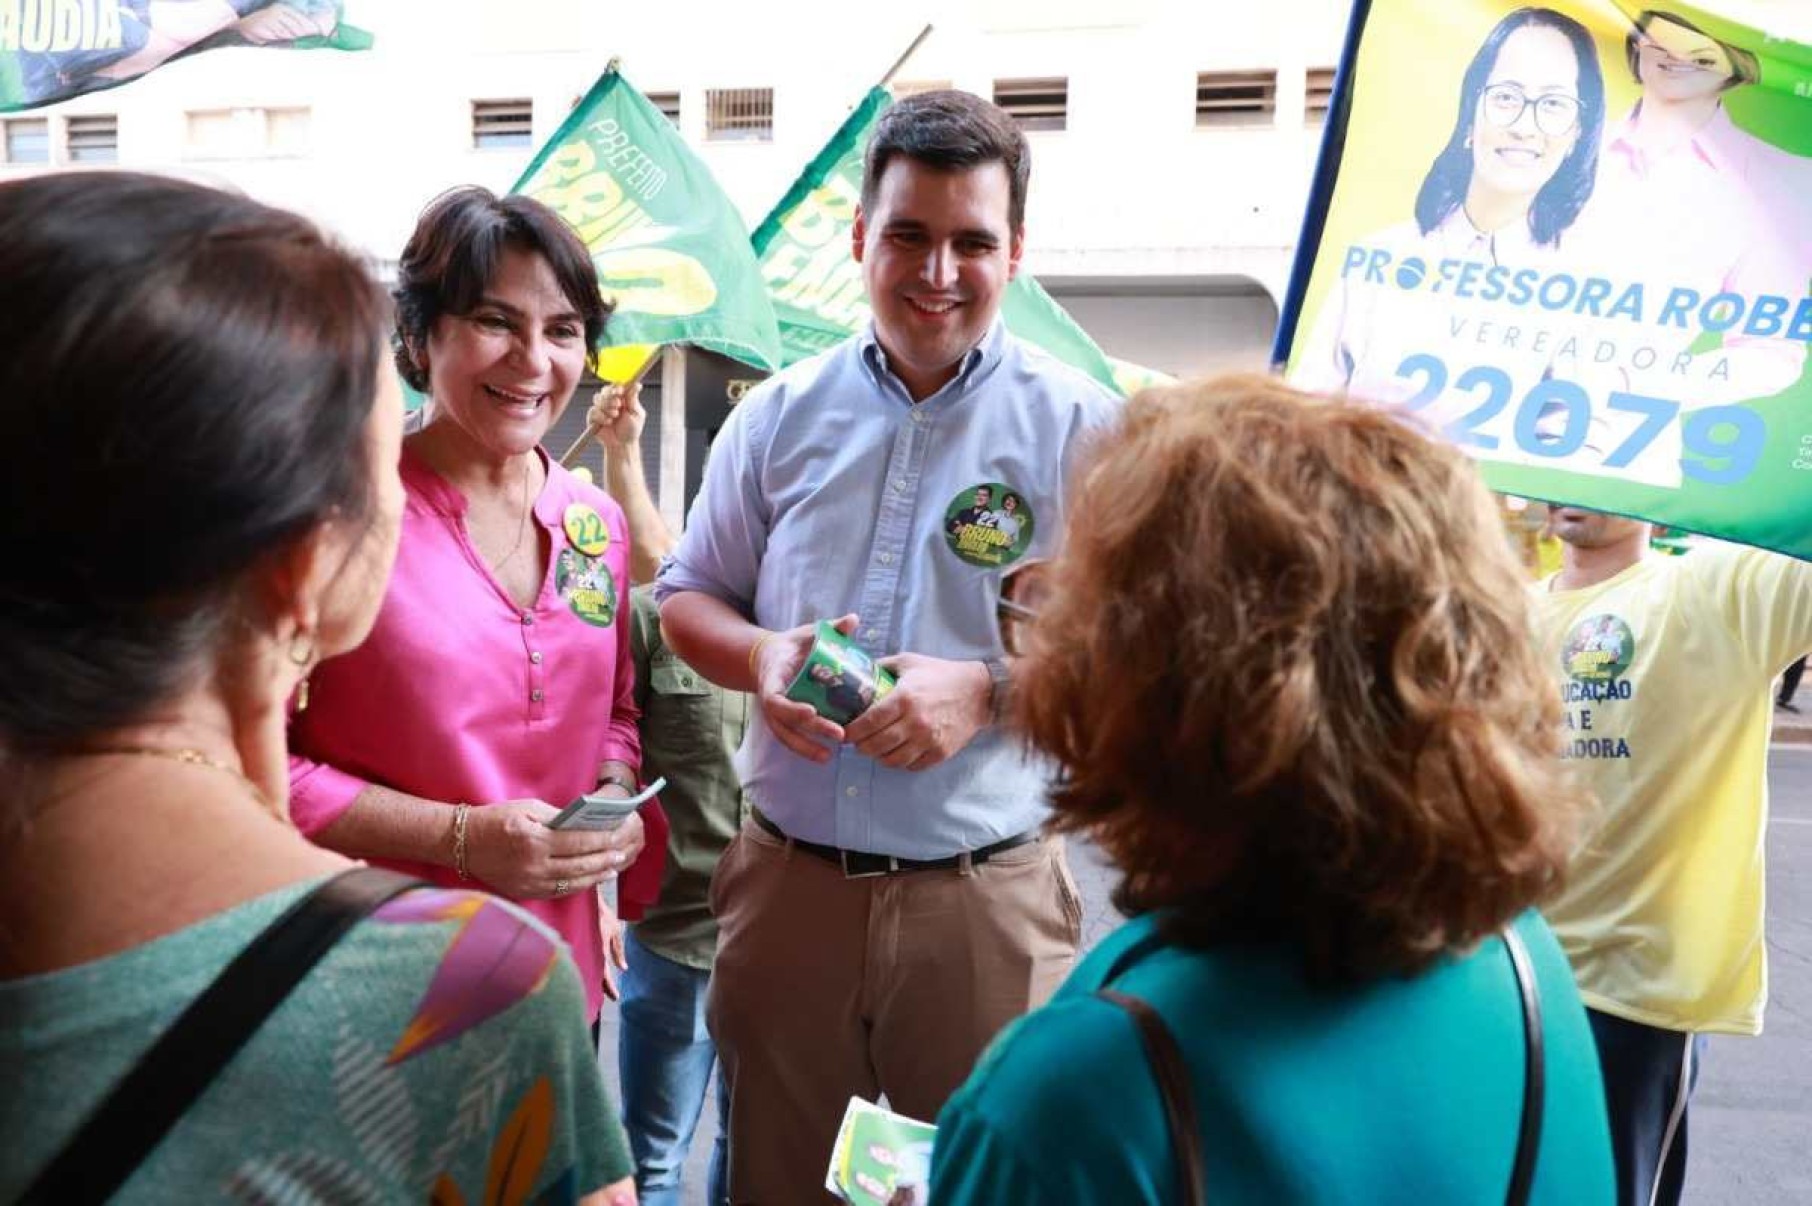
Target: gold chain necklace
column 522, row 522
column 189, row 757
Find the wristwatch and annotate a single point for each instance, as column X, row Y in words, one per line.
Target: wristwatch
column 617, row 779
column 1000, row 689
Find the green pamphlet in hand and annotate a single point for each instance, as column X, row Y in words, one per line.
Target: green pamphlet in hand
column 839, row 679
column 880, row 1157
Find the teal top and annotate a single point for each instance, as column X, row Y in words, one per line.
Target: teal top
column 438, row 1049
column 1394, row 1091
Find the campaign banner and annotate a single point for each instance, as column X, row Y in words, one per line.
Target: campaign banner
column 51, row 50
column 819, row 297
column 670, row 248
column 1575, row 238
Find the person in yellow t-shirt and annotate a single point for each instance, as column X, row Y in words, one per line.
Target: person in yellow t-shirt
column 1665, row 665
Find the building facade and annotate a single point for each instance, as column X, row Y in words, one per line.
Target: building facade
column 1173, row 141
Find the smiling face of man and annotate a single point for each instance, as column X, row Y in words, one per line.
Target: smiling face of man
column 937, row 252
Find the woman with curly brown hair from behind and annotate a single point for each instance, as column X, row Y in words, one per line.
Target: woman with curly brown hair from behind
column 1285, row 665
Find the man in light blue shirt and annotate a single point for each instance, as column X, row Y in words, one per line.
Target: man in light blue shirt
column 890, row 904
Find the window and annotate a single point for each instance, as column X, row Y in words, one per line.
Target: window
column 1318, row 94
column 667, row 103
column 286, row 131
column 93, row 139
column 27, row 140
column 1041, row 104
column 739, row 114
column 248, row 133
column 210, row 133
column 1235, row 98
column 499, row 125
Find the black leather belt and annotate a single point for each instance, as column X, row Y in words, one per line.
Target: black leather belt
column 860, row 864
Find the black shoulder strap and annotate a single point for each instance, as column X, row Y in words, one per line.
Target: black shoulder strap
column 1528, row 1138
column 1172, row 1074
column 1171, row 1071
column 143, row 1107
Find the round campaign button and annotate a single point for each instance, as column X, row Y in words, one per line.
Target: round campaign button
column 1600, row 648
column 586, row 585
column 989, row 525
column 585, row 529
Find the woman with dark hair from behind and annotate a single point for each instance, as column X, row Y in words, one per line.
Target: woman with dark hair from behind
column 199, row 504
column 1284, row 663
column 1517, row 167
column 497, row 685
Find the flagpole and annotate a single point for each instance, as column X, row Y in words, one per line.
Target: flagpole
column 571, row 456
column 901, row 61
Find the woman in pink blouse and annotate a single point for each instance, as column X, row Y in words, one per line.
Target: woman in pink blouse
column 496, row 684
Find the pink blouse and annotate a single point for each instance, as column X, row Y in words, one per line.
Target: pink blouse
column 461, row 695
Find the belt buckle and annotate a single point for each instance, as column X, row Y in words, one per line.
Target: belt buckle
column 885, row 864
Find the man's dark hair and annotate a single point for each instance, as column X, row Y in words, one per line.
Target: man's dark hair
column 951, row 131
column 186, row 380
column 458, row 243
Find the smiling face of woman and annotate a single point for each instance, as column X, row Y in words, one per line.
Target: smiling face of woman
column 1678, row 64
column 505, row 371
column 1527, row 118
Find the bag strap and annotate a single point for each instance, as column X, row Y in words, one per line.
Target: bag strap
column 1172, row 1074
column 1528, row 1138
column 126, row 1127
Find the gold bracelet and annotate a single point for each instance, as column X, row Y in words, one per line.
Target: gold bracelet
column 459, row 840
column 754, row 650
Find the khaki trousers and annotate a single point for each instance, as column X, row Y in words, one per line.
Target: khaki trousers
column 827, row 987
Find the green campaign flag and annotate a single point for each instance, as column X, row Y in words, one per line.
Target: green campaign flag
column 670, row 248
column 1632, row 333
column 803, row 246
column 51, row 50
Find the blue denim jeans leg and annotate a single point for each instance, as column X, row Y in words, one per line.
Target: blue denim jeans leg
column 664, row 1058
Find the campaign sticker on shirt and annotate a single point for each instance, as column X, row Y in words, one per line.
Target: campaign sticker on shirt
column 585, row 529
column 1598, row 650
column 586, row 585
column 988, row 525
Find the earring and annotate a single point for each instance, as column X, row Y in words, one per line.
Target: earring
column 1468, row 143
column 301, row 653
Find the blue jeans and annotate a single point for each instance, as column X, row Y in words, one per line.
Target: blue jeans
column 664, row 1058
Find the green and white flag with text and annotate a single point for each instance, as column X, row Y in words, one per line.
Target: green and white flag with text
column 670, row 248
column 1587, row 265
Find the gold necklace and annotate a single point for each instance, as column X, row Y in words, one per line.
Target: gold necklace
column 189, row 757
column 522, row 522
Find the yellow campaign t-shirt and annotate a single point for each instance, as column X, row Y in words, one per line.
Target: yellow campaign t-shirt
column 1665, row 672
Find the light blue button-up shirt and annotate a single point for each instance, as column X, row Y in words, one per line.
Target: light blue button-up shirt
column 829, row 491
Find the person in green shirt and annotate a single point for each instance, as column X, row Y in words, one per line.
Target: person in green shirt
column 1285, row 663
column 690, row 728
column 438, row 1051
